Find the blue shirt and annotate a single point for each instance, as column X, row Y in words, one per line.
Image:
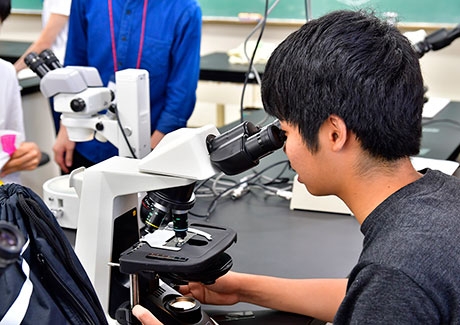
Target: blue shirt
column 171, row 55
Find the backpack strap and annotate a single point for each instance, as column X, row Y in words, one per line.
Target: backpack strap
column 49, row 229
column 18, row 309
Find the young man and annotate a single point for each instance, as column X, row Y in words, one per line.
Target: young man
column 26, row 155
column 348, row 91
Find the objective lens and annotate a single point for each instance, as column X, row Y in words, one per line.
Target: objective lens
column 161, row 204
column 152, row 214
column 180, row 221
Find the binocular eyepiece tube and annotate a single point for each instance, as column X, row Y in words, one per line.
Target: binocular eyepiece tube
column 240, row 148
column 42, row 63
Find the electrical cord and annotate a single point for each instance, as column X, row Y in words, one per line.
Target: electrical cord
column 245, row 185
column 308, row 14
column 117, row 116
column 261, row 24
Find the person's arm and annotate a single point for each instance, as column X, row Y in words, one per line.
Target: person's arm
column 156, row 138
column 63, row 150
column 318, row 298
column 26, row 157
column 46, row 38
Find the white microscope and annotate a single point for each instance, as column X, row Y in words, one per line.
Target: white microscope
column 133, row 255
column 88, row 111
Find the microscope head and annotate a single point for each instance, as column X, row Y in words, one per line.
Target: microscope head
column 77, row 91
column 57, row 80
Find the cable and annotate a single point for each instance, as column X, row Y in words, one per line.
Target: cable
column 131, row 150
column 248, row 182
column 308, row 14
column 259, row 24
column 262, row 23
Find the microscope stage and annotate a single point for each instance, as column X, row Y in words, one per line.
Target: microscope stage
column 198, row 255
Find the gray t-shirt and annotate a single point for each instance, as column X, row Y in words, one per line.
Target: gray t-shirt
column 409, row 269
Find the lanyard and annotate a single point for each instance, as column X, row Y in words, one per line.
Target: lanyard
column 141, row 40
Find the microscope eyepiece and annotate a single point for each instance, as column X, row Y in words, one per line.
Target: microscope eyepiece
column 42, row 63
column 261, row 144
column 36, row 64
column 50, row 59
column 437, row 40
column 240, row 148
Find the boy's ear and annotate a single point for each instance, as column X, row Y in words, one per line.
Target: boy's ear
column 337, row 132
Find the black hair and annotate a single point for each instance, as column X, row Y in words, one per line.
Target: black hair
column 5, row 9
column 356, row 66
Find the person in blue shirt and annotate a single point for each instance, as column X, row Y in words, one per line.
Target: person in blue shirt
column 161, row 36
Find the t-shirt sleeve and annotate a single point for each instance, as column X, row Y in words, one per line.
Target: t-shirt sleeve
column 10, row 99
column 61, row 7
column 378, row 295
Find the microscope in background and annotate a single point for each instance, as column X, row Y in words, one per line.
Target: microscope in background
column 437, row 40
column 134, row 255
column 89, row 110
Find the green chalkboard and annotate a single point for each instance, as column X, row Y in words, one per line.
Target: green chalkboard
column 26, row 5
column 408, row 11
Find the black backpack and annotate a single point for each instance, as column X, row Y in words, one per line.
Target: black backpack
column 47, row 283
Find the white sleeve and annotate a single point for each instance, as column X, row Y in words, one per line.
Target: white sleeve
column 61, row 7
column 11, row 114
